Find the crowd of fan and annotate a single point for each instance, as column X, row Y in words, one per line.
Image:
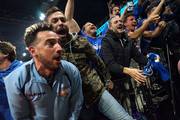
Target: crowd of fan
column 111, row 63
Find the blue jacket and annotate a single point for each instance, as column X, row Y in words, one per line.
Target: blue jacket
column 32, row 98
column 3, row 73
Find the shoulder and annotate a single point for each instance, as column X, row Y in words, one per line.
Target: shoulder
column 17, row 77
column 20, row 69
column 71, row 71
column 69, row 67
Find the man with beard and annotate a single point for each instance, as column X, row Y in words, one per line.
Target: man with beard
column 81, row 53
column 117, row 51
column 46, row 87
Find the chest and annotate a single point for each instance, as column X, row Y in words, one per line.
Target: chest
column 40, row 93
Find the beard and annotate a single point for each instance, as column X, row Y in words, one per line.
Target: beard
column 62, row 30
column 50, row 64
column 63, row 33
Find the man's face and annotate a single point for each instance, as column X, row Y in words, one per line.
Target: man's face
column 90, row 28
column 58, row 22
column 47, row 50
column 115, row 10
column 130, row 23
column 116, row 25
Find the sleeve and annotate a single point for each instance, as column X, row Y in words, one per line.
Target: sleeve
column 97, row 63
column 19, row 104
column 76, row 100
column 137, row 56
column 108, row 58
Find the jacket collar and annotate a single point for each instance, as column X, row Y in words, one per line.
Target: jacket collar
column 116, row 36
column 36, row 77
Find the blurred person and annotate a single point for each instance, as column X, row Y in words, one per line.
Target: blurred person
column 8, row 63
column 93, row 71
column 46, row 87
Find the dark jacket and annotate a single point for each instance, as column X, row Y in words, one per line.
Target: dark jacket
column 117, row 52
column 93, row 72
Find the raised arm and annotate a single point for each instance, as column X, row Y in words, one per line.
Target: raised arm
column 138, row 32
column 157, row 31
column 158, row 8
column 109, row 4
column 69, row 10
column 69, row 13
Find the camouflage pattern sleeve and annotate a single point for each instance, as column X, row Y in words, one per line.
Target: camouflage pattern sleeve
column 96, row 61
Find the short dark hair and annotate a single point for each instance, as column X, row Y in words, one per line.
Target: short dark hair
column 8, row 49
column 31, row 32
column 127, row 15
column 50, row 11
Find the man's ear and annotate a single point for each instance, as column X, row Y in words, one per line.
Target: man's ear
column 32, row 51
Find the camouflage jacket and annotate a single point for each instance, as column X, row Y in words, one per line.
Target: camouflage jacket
column 93, row 71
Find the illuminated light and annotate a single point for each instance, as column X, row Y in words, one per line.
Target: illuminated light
column 24, row 54
column 41, row 16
